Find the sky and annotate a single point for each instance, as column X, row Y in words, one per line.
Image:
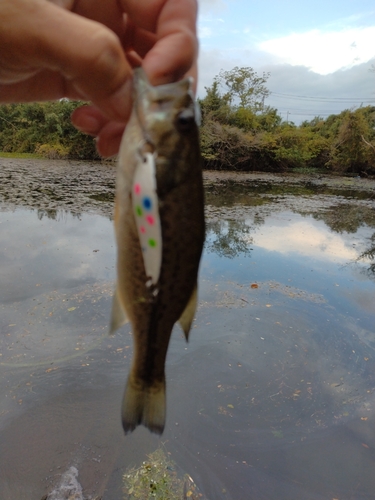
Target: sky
column 319, row 53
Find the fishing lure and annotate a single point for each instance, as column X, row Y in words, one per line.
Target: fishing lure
column 146, row 213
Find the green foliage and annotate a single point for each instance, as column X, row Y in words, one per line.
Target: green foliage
column 157, row 478
column 245, row 119
column 238, row 131
column 52, row 151
column 244, row 87
column 19, row 155
column 213, row 100
column 352, row 149
column 294, row 147
column 44, row 128
column 269, row 119
column 236, row 98
column 226, row 147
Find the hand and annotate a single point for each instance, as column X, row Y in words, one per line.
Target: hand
column 85, row 49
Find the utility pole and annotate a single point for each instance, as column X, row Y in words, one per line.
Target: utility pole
column 287, row 117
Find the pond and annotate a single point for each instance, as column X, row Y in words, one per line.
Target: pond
column 274, row 395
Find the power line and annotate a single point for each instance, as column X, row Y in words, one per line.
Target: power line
column 295, row 110
column 291, row 113
column 308, row 110
column 323, row 99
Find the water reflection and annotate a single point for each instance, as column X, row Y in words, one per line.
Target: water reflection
column 289, row 234
column 347, row 217
column 54, row 214
column 369, row 254
column 228, row 238
column 274, row 396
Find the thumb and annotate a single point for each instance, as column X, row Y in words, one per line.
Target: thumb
column 87, row 56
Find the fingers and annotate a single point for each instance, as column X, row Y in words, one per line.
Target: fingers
column 91, row 58
column 175, row 49
column 81, row 57
column 48, row 52
column 43, row 86
column 108, row 134
column 136, row 38
column 171, row 58
column 109, row 139
column 89, row 120
column 169, row 53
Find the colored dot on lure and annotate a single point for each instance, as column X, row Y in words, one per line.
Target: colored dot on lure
column 152, row 242
column 137, row 188
column 142, row 229
column 150, row 220
column 138, row 210
column 147, row 203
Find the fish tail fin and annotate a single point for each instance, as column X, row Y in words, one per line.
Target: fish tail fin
column 143, row 404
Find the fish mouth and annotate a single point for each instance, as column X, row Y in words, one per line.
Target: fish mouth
column 141, row 80
column 156, row 100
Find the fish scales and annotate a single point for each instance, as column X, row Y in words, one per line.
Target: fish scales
column 162, row 124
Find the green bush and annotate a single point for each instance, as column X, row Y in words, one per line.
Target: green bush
column 52, row 151
column 351, row 148
column 238, row 132
column 26, row 127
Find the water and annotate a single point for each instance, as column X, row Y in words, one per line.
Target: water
column 273, row 397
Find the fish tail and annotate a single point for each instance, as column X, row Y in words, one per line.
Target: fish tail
column 143, row 404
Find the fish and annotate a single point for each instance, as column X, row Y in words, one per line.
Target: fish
column 160, row 232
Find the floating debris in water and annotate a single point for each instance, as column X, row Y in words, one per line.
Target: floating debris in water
column 69, row 488
column 157, row 478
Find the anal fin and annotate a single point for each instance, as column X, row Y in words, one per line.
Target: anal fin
column 187, row 316
column 118, row 316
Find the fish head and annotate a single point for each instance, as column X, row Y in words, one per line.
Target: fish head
column 169, row 117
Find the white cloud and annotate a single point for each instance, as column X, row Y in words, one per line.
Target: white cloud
column 204, row 32
column 211, row 5
column 210, row 26
column 309, row 238
column 324, row 52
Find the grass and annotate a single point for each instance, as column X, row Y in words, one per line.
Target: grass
column 32, row 156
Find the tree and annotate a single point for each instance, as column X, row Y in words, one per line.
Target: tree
column 244, row 88
column 213, row 99
column 269, row 119
column 236, row 98
column 352, row 150
column 44, row 128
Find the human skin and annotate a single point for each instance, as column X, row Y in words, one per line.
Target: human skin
column 86, row 49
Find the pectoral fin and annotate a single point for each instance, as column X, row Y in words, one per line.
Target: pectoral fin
column 187, row 316
column 118, row 316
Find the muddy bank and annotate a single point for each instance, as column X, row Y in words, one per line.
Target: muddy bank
column 50, row 185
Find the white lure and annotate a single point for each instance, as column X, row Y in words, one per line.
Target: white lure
column 147, row 218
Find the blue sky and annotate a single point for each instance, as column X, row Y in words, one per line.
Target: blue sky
column 318, row 53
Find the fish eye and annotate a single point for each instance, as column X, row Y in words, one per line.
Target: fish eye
column 185, row 120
